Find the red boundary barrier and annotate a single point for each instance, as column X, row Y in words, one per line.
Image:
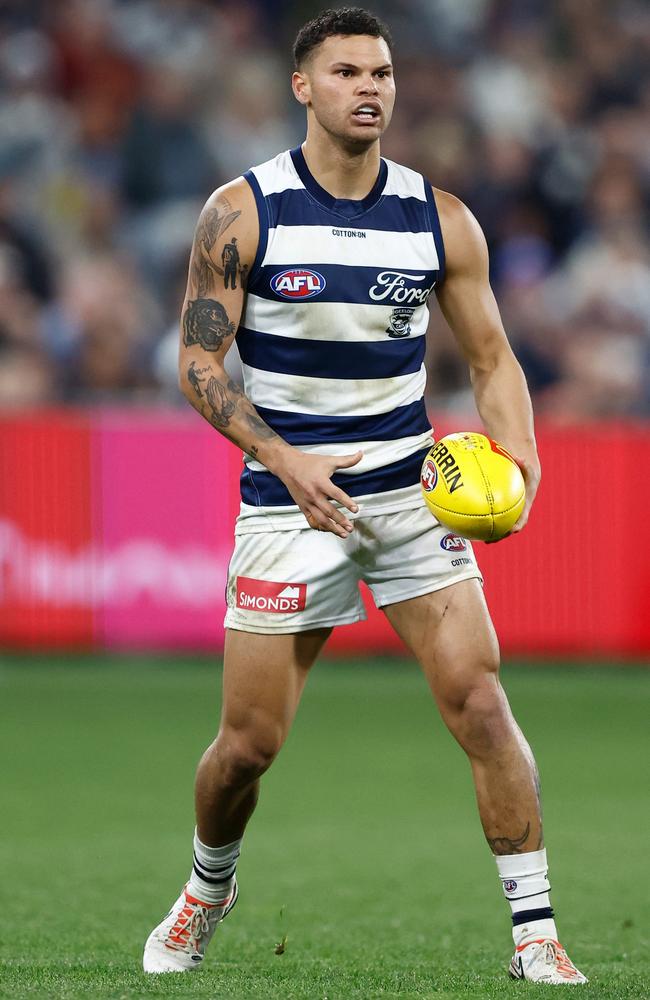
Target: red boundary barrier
column 116, row 528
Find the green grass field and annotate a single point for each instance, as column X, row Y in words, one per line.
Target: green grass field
column 365, row 852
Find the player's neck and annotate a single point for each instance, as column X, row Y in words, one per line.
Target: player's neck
column 343, row 173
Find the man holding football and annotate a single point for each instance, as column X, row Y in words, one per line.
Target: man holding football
column 340, row 250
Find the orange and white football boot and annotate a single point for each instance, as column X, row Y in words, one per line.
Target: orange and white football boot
column 178, row 943
column 543, row 960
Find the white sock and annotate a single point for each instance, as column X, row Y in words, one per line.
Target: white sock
column 213, row 871
column 526, row 887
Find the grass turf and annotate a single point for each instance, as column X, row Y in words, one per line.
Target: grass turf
column 365, row 851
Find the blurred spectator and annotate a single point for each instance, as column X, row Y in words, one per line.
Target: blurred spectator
column 22, row 253
column 91, row 63
column 102, row 331
column 247, row 118
column 26, row 379
column 165, row 155
column 119, row 117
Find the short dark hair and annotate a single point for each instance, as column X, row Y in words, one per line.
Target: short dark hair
column 341, row 21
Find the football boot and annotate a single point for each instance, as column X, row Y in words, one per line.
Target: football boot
column 543, row 960
column 178, row 943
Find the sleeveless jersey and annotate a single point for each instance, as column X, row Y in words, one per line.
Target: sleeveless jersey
column 332, row 337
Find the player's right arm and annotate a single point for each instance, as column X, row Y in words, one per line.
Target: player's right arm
column 210, row 317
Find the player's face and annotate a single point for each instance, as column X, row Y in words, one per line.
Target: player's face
column 347, row 83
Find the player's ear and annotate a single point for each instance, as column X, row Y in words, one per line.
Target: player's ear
column 300, row 87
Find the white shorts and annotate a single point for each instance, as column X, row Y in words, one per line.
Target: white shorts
column 289, row 581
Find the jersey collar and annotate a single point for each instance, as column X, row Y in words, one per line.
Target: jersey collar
column 348, row 207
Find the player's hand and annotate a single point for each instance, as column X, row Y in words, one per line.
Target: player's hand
column 532, row 474
column 308, row 479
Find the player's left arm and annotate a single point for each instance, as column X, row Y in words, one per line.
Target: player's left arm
column 469, row 306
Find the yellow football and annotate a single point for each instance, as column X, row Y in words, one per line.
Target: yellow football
column 473, row 486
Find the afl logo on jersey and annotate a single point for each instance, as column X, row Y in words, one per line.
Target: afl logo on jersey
column 298, row 283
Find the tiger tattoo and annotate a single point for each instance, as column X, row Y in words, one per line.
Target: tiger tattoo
column 205, row 322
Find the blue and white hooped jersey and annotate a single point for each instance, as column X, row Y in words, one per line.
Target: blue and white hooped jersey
column 332, row 337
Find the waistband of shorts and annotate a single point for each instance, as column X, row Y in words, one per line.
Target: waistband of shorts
column 257, row 519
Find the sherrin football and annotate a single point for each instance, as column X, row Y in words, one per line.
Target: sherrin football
column 473, row 486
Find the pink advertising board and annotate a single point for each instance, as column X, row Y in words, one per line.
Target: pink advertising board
column 166, row 488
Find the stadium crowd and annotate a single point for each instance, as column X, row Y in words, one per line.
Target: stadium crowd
column 118, row 117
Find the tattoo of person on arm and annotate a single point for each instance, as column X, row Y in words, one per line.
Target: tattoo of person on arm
column 196, row 376
column 212, row 224
column 206, row 322
column 231, row 263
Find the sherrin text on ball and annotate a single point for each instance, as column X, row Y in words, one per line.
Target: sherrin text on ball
column 473, row 485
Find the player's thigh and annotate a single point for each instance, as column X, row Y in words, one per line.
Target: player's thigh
column 409, row 554
column 263, row 679
column 450, row 632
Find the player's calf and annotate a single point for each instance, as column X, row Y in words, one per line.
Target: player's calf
column 227, row 781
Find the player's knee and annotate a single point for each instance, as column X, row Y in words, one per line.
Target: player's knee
column 464, row 685
column 245, row 756
column 486, row 719
column 476, row 710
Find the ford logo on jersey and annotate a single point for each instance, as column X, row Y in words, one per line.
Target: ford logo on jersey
column 396, row 286
column 453, row 543
column 298, row 283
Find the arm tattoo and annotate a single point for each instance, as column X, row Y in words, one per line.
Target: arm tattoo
column 504, row 845
column 231, row 263
column 261, row 428
column 196, row 375
column 206, row 322
column 234, row 387
column 220, row 402
column 213, row 222
column 223, row 400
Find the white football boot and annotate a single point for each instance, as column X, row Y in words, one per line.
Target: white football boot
column 178, row 943
column 544, row 960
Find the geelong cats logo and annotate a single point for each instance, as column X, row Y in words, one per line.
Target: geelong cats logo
column 399, row 324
